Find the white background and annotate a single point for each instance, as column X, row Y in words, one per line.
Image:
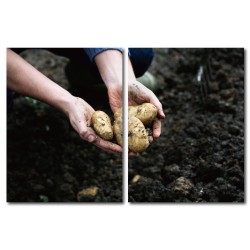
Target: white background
column 122, row 24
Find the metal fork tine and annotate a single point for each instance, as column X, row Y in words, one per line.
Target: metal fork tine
column 208, row 64
column 204, row 76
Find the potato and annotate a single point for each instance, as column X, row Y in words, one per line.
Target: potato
column 138, row 116
column 118, row 130
column 118, row 113
column 137, row 135
column 146, row 112
column 102, row 125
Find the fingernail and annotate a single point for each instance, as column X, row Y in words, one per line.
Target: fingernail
column 91, row 138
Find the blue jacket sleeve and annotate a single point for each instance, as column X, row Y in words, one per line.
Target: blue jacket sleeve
column 92, row 52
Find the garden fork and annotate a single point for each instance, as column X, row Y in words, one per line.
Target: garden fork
column 204, row 75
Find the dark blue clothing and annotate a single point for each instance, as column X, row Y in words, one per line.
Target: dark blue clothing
column 141, row 58
column 92, row 52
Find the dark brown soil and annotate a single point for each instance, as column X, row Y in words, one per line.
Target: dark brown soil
column 198, row 158
column 200, row 154
column 46, row 160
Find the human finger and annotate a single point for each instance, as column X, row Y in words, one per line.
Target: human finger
column 156, row 128
column 154, row 100
column 86, row 133
column 107, row 145
column 150, row 138
column 89, row 135
column 131, row 154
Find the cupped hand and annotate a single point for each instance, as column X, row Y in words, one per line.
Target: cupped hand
column 139, row 94
column 115, row 101
column 80, row 113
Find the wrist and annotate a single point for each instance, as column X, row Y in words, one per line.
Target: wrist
column 113, row 83
column 65, row 103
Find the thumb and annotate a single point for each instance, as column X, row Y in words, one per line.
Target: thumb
column 87, row 133
column 158, row 105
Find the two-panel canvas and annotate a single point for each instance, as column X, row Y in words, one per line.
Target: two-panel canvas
column 184, row 125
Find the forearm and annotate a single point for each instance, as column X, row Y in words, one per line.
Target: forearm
column 25, row 79
column 131, row 74
column 109, row 64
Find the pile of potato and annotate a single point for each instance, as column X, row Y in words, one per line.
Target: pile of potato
column 138, row 117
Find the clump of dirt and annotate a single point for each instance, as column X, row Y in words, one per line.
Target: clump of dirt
column 200, row 154
column 46, row 160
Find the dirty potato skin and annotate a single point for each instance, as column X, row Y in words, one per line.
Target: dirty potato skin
column 118, row 129
column 146, row 112
column 102, row 125
column 118, row 113
column 137, row 135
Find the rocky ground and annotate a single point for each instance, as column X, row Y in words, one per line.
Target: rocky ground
column 200, row 154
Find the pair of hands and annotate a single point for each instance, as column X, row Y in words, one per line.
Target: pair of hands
column 23, row 78
column 81, row 112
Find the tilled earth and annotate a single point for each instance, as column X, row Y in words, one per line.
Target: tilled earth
column 198, row 158
column 200, row 154
column 46, row 160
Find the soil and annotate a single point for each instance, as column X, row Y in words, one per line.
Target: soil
column 46, row 160
column 198, row 158
column 200, row 154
